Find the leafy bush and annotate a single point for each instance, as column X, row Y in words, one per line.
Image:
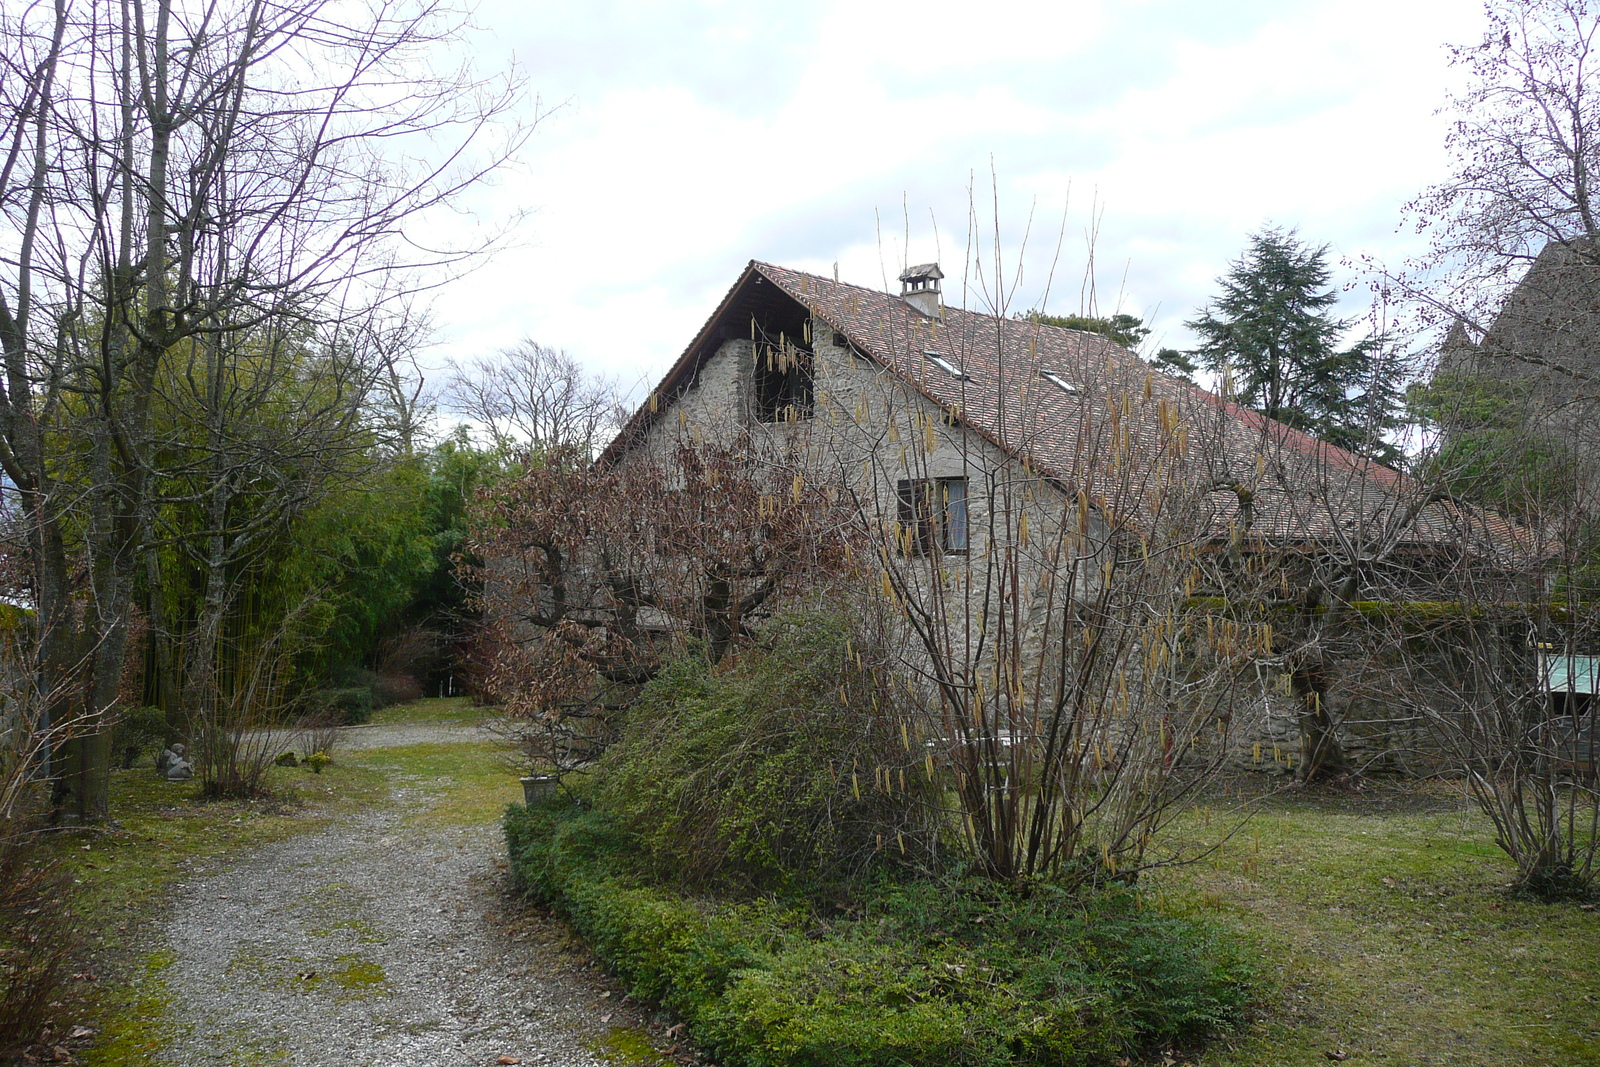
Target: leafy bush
column 394, row 687
column 138, row 730
column 926, row 973
column 351, row 705
column 785, row 768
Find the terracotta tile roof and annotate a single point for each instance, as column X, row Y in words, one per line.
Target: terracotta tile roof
column 1316, row 492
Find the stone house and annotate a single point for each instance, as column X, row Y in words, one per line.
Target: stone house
column 968, row 437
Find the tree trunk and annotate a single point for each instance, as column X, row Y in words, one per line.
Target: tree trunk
column 1322, row 756
column 161, row 667
column 201, row 691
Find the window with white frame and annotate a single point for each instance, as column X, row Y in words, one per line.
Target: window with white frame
column 948, row 365
column 1059, row 380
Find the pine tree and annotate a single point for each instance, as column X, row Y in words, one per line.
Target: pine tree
column 1129, row 331
column 1176, row 363
column 1272, row 332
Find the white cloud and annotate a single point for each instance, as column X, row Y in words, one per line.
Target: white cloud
column 701, row 135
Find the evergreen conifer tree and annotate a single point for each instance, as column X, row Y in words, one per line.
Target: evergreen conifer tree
column 1272, row 331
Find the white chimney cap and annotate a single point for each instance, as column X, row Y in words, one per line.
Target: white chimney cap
column 919, row 287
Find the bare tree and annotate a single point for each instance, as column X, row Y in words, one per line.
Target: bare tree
column 175, row 173
column 593, row 575
column 1526, row 145
column 1071, row 692
column 533, row 396
column 1503, row 669
column 402, row 396
column 1504, row 299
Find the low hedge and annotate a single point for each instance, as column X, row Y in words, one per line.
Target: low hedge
column 923, row 973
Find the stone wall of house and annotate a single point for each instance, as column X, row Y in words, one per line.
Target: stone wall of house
column 871, row 429
column 869, row 426
column 1378, row 736
column 863, row 414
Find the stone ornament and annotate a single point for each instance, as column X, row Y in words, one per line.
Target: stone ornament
column 172, row 765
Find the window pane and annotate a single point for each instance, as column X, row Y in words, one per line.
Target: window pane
column 955, row 513
column 916, row 520
column 1572, row 674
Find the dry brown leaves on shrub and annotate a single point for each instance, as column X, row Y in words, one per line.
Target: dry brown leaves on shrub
column 35, row 940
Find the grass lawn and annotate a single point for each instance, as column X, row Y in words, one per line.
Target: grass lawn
column 1382, row 919
column 432, row 709
column 465, row 783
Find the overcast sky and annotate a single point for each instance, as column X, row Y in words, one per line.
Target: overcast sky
column 695, row 136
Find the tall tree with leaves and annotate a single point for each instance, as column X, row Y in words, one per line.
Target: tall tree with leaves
column 1272, row 333
column 172, row 175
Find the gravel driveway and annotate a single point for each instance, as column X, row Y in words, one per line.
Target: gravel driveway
column 377, row 943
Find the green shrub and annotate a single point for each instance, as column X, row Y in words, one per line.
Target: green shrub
column 785, row 768
column 926, row 973
column 350, row 706
column 395, row 687
column 137, row 731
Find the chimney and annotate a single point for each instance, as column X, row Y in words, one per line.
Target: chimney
column 919, row 287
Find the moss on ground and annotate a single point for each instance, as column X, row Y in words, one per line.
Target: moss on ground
column 467, row 784
column 136, row 1034
column 1386, row 919
column 626, row 1046
column 358, row 976
column 365, row 933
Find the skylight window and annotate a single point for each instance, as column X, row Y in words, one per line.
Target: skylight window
column 945, row 364
column 1066, row 386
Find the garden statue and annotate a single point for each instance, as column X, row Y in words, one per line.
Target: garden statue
column 172, row 764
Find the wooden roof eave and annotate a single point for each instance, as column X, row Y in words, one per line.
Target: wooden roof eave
column 680, row 374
